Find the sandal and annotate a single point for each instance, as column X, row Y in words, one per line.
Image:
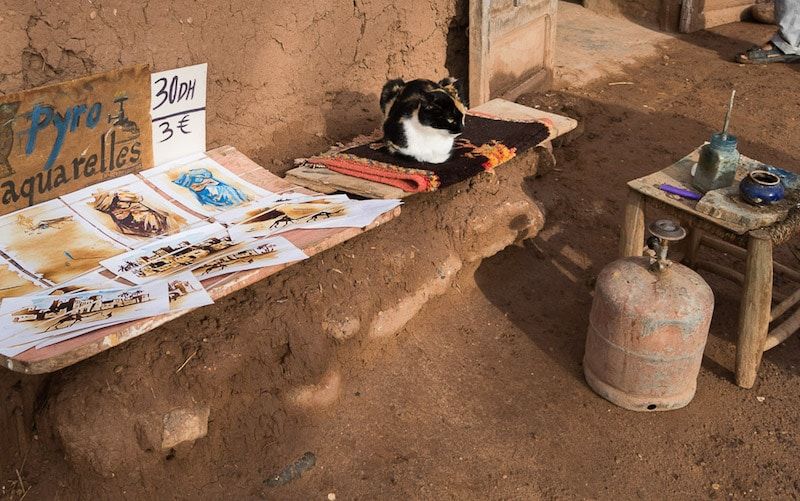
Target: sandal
column 760, row 55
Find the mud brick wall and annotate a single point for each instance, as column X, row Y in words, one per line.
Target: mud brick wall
column 286, row 78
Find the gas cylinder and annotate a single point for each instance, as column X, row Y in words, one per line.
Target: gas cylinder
column 648, row 328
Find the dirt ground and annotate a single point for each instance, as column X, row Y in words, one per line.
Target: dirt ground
column 483, row 395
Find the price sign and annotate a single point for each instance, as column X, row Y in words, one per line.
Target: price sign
column 178, row 111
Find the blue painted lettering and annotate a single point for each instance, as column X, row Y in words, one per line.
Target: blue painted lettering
column 42, row 116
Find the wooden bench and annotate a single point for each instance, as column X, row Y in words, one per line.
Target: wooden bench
column 312, row 241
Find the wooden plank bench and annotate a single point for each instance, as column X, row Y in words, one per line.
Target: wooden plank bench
column 311, row 241
column 327, row 181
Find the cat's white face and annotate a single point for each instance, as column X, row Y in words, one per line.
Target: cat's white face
column 422, row 118
column 426, row 143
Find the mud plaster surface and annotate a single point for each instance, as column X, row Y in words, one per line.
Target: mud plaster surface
column 285, row 78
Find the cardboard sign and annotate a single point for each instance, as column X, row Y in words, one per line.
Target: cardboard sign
column 63, row 137
column 178, row 103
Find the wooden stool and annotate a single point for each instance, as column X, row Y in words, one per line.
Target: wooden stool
column 755, row 246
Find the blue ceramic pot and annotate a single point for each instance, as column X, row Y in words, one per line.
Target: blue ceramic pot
column 761, row 188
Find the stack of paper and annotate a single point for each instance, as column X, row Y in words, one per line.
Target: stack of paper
column 135, row 246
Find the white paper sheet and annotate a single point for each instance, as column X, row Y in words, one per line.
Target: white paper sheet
column 327, row 211
column 178, row 111
column 171, row 255
column 185, row 292
column 94, row 280
column 15, row 282
column 129, row 211
column 203, row 185
column 258, row 254
column 33, row 319
column 52, row 242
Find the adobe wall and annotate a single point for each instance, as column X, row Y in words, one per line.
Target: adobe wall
column 286, row 78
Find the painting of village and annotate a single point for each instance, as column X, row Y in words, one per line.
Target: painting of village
column 183, row 251
column 258, row 254
column 51, row 242
column 185, row 292
column 25, row 320
column 129, row 211
column 204, row 186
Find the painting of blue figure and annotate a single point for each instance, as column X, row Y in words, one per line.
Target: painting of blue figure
column 211, row 191
column 203, row 185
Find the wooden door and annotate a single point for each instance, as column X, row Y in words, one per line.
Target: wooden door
column 511, row 46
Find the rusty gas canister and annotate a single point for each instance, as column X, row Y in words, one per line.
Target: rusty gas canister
column 648, row 328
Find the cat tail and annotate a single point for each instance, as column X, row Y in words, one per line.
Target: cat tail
column 390, row 91
column 455, row 88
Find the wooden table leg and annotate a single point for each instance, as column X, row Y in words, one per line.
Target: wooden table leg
column 695, row 235
column 754, row 312
column 632, row 238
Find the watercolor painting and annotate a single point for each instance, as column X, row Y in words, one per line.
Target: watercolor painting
column 50, row 241
column 203, row 185
column 356, row 214
column 211, row 191
column 94, row 280
column 29, row 320
column 269, row 217
column 129, row 211
column 165, row 257
column 14, row 282
column 186, row 291
column 257, row 254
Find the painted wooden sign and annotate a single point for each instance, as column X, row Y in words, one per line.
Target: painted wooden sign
column 60, row 138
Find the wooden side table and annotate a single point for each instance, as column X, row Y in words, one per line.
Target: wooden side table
column 754, row 246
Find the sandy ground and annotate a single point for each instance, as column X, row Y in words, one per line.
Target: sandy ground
column 591, row 45
column 483, row 396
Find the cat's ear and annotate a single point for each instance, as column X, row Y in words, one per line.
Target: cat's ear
column 390, row 91
column 455, row 88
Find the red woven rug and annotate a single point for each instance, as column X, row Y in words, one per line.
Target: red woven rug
column 486, row 143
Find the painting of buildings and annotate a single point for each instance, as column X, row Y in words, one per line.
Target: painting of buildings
column 74, row 306
column 185, row 291
column 258, row 254
column 33, row 319
column 168, row 256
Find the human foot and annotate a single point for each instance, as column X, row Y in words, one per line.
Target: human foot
column 766, row 54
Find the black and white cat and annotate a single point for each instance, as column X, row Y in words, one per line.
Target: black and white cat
column 422, row 118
